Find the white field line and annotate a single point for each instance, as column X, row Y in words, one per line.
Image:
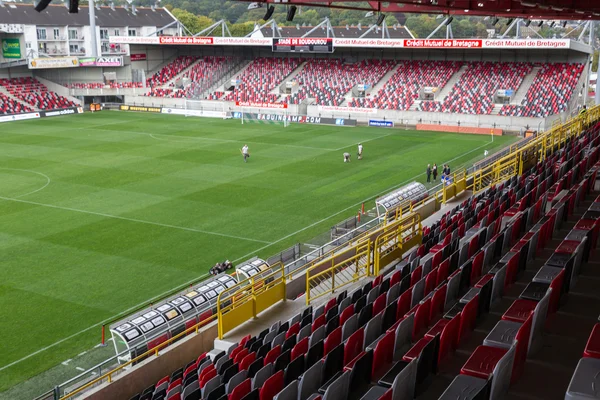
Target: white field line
column 32, row 172
column 141, row 221
column 365, row 141
column 122, row 313
column 191, row 139
column 352, row 206
column 238, row 259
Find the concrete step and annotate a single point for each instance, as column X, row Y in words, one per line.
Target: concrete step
column 496, row 109
column 450, row 85
column 244, row 66
column 377, row 87
column 525, row 85
column 180, row 75
column 290, row 77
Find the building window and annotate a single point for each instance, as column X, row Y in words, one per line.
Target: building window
column 104, row 34
column 74, row 48
column 72, row 34
column 105, row 48
column 132, row 32
column 28, row 45
column 56, row 33
column 41, row 34
column 117, row 32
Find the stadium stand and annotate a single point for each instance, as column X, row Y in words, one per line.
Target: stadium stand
column 170, row 70
column 202, row 75
column 33, row 92
column 160, row 92
column 474, row 92
column 550, row 92
column 328, row 81
column 11, row 106
column 389, row 337
column 101, row 85
column 260, row 78
column 403, row 88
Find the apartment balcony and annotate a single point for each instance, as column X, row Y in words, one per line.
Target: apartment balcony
column 53, row 53
column 52, row 39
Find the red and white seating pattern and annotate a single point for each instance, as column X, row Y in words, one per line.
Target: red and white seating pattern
column 549, row 93
column 159, row 92
column 170, row 70
column 474, row 92
column 102, row 85
column 260, row 78
column 403, row 88
column 203, row 74
column 35, row 93
column 10, row 106
column 328, row 81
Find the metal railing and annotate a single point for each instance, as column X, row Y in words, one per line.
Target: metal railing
column 321, row 282
column 372, row 249
column 250, row 297
column 109, row 376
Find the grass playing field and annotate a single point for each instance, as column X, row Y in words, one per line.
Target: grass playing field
column 102, row 212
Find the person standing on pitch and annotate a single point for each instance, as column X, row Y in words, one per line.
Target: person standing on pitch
column 428, row 173
column 434, row 172
column 245, row 152
column 360, row 149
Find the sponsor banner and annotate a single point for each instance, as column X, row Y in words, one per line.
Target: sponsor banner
column 53, row 62
column 297, row 119
column 134, row 39
column 138, row 57
column 242, row 41
column 11, row 48
column 260, row 105
column 111, row 61
column 526, row 43
column 140, row 108
column 194, row 113
column 347, row 109
column 304, row 45
column 381, row 123
column 65, row 111
column 19, row 117
column 328, row 44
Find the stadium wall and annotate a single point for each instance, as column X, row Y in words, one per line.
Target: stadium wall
column 82, row 75
column 59, row 89
column 150, row 371
column 410, row 118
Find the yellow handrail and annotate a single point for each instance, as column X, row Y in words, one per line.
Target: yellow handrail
column 151, row 352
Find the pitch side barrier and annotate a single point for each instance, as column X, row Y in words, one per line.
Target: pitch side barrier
column 41, row 114
column 261, row 117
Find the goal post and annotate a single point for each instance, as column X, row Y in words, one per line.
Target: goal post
column 199, row 108
column 277, row 117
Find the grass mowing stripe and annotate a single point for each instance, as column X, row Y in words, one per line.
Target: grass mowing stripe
column 133, row 220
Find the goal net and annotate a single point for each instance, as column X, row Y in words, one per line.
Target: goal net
column 271, row 117
column 199, row 108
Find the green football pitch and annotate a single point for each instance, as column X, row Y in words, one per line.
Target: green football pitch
column 99, row 213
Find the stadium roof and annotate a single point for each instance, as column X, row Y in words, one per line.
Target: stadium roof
column 398, row 32
column 531, row 9
column 58, row 15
